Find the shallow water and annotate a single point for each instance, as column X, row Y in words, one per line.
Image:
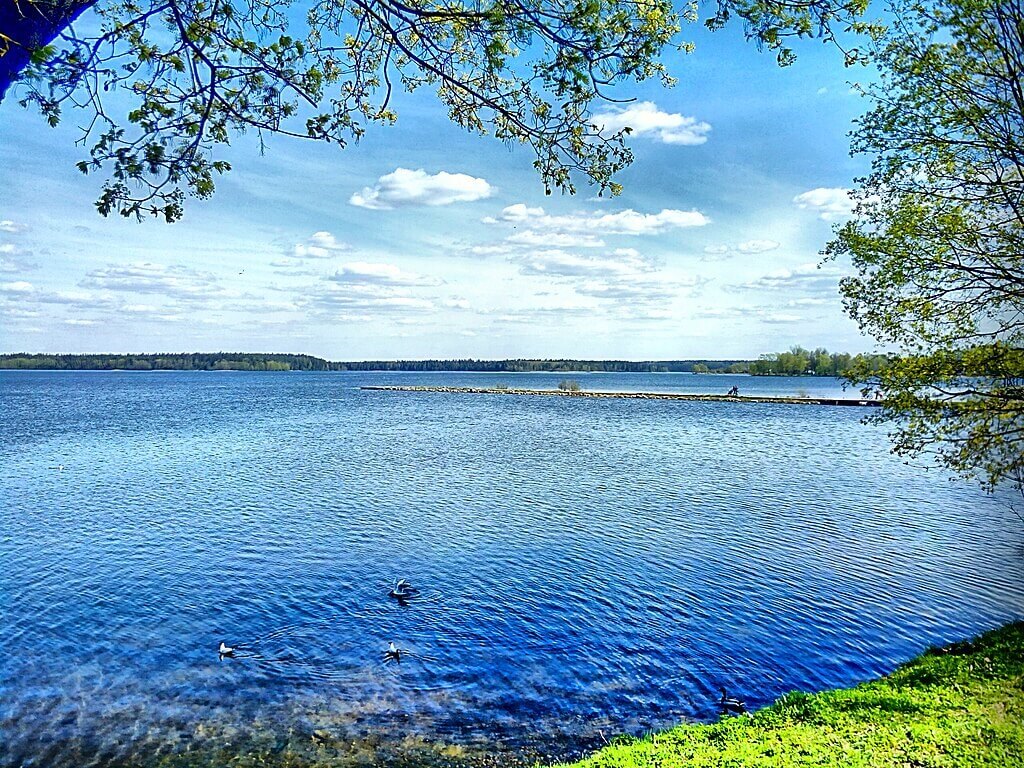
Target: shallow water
column 587, row 567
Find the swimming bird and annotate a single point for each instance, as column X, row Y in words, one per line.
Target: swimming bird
column 225, row 650
column 402, row 590
column 393, row 652
column 730, row 705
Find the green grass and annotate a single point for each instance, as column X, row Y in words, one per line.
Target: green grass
column 961, row 706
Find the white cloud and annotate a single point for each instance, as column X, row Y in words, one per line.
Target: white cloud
column 18, row 286
column 517, row 212
column 627, row 222
column 722, row 252
column 777, row 318
column 381, row 274
column 763, row 314
column 496, row 249
column 646, row 119
column 555, row 239
column 830, row 203
column 363, row 302
column 76, row 321
column 624, row 262
column 78, row 299
column 757, row 246
column 542, row 307
column 404, row 187
column 145, row 277
column 808, row 278
column 295, row 267
column 20, row 312
column 811, row 302
column 319, row 245
column 648, row 289
column 6, row 225
column 627, row 284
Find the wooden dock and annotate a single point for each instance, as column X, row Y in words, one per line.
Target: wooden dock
column 630, row 395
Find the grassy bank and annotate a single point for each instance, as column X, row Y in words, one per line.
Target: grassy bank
column 961, row 705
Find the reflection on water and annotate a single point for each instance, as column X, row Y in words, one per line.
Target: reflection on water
column 586, row 568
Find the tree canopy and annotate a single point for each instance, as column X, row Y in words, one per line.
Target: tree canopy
column 254, row 361
column 818, row 362
column 938, row 242
column 195, row 73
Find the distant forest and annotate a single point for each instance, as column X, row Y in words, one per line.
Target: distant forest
column 795, row 362
column 231, row 361
column 818, row 362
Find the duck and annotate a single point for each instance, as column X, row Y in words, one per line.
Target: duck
column 393, row 652
column 225, row 650
column 402, row 589
column 730, row 705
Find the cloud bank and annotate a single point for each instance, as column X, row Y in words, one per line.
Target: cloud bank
column 645, row 119
column 404, row 188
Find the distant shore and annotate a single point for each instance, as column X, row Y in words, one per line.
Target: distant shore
column 784, row 364
column 629, row 395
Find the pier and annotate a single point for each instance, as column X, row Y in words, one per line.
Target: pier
column 862, row 402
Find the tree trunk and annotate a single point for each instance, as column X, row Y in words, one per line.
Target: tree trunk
column 28, row 25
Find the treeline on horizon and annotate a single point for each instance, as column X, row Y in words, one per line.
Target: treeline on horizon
column 818, row 362
column 797, row 361
column 231, row 361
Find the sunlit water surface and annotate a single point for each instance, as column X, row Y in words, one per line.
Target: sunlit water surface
column 587, row 567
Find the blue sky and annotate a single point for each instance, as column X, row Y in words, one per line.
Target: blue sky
column 424, row 241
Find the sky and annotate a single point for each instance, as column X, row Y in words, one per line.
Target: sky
column 424, row 241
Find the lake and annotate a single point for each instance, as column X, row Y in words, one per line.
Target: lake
column 586, row 568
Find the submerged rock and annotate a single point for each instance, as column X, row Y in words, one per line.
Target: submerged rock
column 321, row 736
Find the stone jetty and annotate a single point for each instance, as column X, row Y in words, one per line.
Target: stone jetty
column 629, row 395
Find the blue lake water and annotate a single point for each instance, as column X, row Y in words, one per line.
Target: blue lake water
column 587, row 567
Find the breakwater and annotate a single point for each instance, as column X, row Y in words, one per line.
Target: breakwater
column 629, row 395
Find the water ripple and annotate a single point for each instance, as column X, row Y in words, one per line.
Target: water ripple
column 586, row 568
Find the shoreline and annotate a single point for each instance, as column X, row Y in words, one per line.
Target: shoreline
column 829, row 401
column 953, row 706
column 956, row 705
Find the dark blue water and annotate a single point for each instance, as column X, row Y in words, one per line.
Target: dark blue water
column 587, row 567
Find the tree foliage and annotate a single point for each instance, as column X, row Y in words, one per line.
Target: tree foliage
column 772, row 24
column 198, row 72
column 818, row 362
column 937, row 243
column 188, row 361
column 203, row 361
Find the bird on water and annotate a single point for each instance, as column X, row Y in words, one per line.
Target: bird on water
column 393, row 652
column 730, row 705
column 225, row 650
column 402, row 589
